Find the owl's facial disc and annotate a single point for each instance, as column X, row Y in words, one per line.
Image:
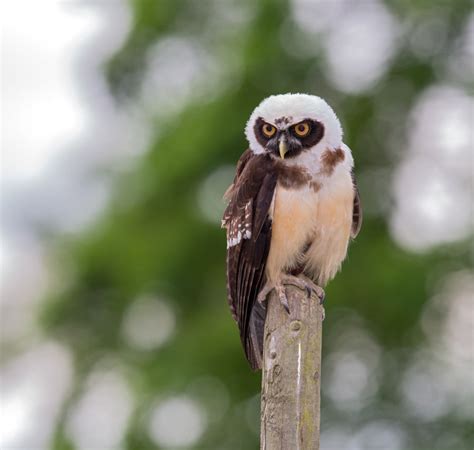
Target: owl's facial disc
column 288, row 141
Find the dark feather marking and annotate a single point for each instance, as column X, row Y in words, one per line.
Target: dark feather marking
column 283, row 120
column 292, row 176
column 257, row 128
column 315, row 185
column 315, row 135
column 330, row 159
column 296, row 144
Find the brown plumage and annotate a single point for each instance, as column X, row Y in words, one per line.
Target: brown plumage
column 254, row 185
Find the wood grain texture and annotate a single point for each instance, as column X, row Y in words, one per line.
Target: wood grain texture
column 290, row 403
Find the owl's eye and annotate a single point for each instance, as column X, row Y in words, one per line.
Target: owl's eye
column 268, row 130
column 302, row 129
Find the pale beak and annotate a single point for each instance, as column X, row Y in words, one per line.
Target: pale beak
column 282, row 147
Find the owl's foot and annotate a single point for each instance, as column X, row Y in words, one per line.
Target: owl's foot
column 310, row 287
column 305, row 284
column 279, row 289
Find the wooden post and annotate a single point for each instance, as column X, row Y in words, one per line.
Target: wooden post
column 290, row 403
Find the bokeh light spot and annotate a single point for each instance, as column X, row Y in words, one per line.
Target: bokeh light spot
column 177, row 422
column 211, row 191
column 100, row 417
column 148, row 323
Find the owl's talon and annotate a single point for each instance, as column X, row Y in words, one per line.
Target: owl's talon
column 283, row 299
column 284, row 303
column 305, row 284
column 322, row 297
column 279, row 289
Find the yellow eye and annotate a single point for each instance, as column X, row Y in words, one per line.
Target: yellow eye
column 302, row 129
column 268, row 130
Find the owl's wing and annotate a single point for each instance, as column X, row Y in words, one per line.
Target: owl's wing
column 249, row 228
column 356, row 210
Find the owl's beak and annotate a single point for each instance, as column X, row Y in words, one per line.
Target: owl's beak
column 282, row 147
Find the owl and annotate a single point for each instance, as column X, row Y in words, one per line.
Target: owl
column 292, row 209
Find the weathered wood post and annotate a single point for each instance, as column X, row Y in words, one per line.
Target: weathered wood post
column 290, row 403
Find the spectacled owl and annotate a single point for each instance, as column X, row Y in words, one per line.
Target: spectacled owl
column 292, row 209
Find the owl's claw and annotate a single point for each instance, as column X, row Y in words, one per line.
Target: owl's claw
column 304, row 284
column 283, row 300
column 279, row 289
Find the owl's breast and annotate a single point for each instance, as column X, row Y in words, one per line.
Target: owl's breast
column 311, row 226
column 293, row 225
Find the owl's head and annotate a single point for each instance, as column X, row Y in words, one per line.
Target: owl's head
column 288, row 125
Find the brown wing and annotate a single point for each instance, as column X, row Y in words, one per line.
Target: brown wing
column 243, row 160
column 248, row 241
column 356, row 211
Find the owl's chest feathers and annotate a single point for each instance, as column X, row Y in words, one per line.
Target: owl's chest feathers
column 312, row 216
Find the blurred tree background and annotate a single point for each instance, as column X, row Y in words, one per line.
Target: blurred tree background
column 139, row 296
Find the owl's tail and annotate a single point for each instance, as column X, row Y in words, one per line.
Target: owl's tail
column 254, row 344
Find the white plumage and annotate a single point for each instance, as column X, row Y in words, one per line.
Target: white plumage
column 295, row 107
